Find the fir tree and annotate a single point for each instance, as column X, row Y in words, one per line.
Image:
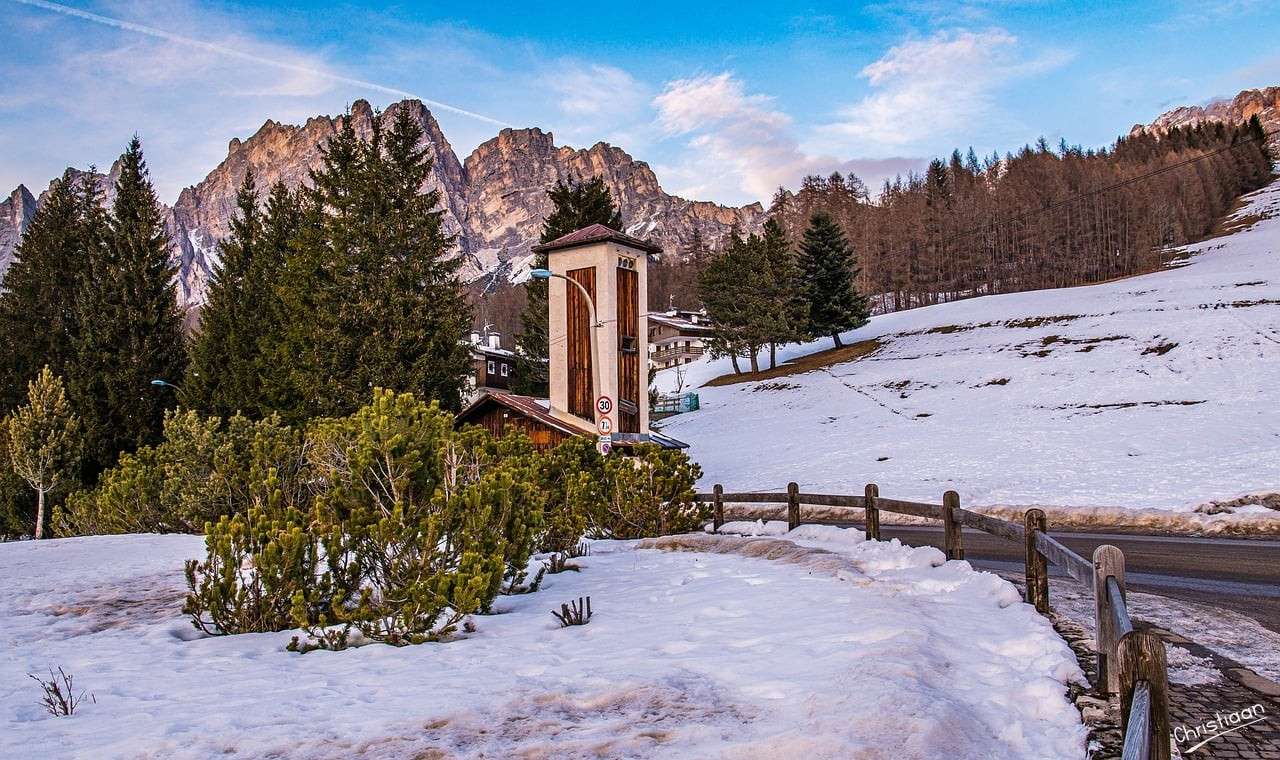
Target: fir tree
column 222, row 376
column 44, row 440
column 574, row 205
column 829, row 271
column 368, row 295
column 129, row 327
column 787, row 311
column 735, row 287
column 37, row 314
column 280, row 226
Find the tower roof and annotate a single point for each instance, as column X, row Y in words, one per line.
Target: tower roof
column 596, row 233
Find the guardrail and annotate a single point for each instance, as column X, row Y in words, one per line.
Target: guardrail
column 1131, row 661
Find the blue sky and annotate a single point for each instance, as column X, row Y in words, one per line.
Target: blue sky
column 726, row 101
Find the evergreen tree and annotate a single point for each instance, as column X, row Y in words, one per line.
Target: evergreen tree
column 829, row 271
column 575, row 205
column 37, row 312
column 368, row 295
column 787, row 311
column 735, row 288
column 129, row 329
column 280, row 226
column 222, row 376
column 44, row 440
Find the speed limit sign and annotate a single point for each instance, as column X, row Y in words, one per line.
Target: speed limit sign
column 604, row 405
column 604, row 425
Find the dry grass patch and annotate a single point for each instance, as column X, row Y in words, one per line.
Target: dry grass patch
column 800, row 365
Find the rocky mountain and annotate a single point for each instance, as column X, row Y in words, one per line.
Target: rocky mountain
column 15, row 214
column 1265, row 103
column 493, row 202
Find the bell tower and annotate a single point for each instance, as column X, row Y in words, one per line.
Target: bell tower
column 599, row 369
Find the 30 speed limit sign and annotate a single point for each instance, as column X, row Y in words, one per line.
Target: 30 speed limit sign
column 604, row 405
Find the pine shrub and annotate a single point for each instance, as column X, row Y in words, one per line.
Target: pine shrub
column 648, row 494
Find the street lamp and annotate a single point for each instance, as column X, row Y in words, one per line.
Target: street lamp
column 547, row 274
column 165, row 384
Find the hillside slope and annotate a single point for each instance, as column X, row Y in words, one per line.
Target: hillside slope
column 1159, row 392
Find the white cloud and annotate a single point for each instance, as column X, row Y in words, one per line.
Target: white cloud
column 594, row 90
column 741, row 146
column 935, row 87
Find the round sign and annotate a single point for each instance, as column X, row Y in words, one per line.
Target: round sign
column 604, row 446
column 604, row 405
column 604, row 425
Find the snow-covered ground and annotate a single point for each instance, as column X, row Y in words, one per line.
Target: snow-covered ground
column 1158, row 392
column 875, row 650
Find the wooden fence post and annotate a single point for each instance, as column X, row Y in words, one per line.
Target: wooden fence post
column 793, row 506
column 1140, row 656
column 717, row 518
column 951, row 526
column 1108, row 561
column 1037, row 566
column 870, row 494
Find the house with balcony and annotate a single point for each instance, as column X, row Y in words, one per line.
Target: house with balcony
column 677, row 336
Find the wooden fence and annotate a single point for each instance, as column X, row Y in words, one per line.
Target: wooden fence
column 1131, row 662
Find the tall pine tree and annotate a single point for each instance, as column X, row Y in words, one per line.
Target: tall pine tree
column 222, row 376
column 829, row 272
column 575, row 205
column 129, row 326
column 787, row 311
column 369, row 296
column 37, row 303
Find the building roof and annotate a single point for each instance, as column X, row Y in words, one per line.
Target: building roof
column 596, row 233
column 678, row 322
column 539, row 410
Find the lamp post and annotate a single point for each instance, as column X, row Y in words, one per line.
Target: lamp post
column 177, row 389
column 547, row 274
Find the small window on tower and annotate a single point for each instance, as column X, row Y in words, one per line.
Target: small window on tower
column 629, row 344
column 626, row 263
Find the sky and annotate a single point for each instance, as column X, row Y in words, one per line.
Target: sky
column 726, row 101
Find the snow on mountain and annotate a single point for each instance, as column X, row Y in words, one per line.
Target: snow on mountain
column 1159, row 392
column 874, row 650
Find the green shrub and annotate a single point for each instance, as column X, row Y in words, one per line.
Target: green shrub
column 648, row 494
column 411, row 527
column 204, row 469
column 257, row 562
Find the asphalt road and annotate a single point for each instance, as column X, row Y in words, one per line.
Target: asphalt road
column 1239, row 575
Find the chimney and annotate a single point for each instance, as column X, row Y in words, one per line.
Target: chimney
column 495, row 340
column 475, row 339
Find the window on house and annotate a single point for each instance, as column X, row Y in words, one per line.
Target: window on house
column 491, row 368
column 506, row 370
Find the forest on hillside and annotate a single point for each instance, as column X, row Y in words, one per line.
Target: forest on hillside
column 968, row 226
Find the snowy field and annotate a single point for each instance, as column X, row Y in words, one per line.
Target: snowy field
column 869, row 650
column 1159, row 392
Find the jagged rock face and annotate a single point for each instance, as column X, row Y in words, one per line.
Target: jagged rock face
column 1263, row 103
column 508, row 178
column 493, row 205
column 15, row 214
column 287, row 153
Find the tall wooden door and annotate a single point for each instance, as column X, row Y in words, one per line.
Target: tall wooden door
column 629, row 386
column 578, row 343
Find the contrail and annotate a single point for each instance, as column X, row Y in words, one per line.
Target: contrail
column 250, row 57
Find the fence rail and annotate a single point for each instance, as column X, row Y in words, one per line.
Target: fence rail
column 1131, row 661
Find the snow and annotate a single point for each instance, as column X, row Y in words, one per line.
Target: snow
column 1159, row 392
column 818, row 645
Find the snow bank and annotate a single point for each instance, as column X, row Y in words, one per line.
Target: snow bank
column 1159, row 392
column 844, row 649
